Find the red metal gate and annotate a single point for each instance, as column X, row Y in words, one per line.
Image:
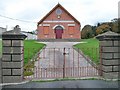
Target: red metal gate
column 53, row 63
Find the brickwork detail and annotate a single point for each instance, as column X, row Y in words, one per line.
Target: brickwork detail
column 12, row 60
column 110, row 54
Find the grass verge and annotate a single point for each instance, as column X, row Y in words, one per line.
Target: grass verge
column 90, row 48
column 66, row 79
column 31, row 48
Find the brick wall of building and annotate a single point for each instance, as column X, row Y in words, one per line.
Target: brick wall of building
column 64, row 20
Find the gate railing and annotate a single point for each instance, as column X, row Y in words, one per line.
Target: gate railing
column 55, row 63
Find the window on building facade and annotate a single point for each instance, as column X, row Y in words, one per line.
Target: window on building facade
column 46, row 30
column 71, row 29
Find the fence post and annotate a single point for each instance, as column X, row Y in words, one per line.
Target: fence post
column 12, row 56
column 109, row 50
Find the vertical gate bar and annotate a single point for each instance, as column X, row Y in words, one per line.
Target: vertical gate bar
column 46, row 72
column 100, row 60
column 69, row 62
column 55, row 73
column 38, row 57
column 34, row 75
column 41, row 72
column 59, row 68
column 96, row 71
column 73, row 62
column 36, row 71
column 71, row 71
column 48, row 61
column 56, row 70
column 84, row 71
column 54, row 57
column 80, row 72
column 49, row 57
column 43, row 75
column 90, row 71
column 37, row 65
column 64, row 64
column 93, row 71
column 87, row 67
column 43, row 53
column 97, row 58
column 50, row 73
column 54, row 63
column 78, row 61
column 52, row 70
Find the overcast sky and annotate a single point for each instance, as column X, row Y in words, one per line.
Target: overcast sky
column 86, row 11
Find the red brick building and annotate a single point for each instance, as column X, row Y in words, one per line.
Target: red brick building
column 58, row 24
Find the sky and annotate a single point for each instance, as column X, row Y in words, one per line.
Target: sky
column 31, row 11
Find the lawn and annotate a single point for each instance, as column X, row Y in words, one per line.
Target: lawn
column 90, row 48
column 31, row 47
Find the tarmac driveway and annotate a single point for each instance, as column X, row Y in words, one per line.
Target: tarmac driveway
column 68, row 84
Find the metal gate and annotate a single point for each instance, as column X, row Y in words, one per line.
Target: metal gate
column 54, row 63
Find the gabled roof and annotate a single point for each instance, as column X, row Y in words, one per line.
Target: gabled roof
column 58, row 5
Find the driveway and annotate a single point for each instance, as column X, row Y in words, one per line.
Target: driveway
column 60, row 44
column 68, row 84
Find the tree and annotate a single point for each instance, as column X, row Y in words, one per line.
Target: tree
column 87, row 32
column 102, row 28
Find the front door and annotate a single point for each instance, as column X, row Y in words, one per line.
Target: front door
column 58, row 31
column 59, row 34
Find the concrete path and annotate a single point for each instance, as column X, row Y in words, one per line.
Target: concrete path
column 68, row 84
column 60, row 44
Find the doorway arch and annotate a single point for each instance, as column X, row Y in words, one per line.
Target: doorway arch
column 58, row 32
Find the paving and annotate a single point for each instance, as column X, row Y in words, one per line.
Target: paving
column 68, row 84
column 61, row 44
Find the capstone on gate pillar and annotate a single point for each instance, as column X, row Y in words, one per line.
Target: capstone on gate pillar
column 12, row 56
column 110, row 55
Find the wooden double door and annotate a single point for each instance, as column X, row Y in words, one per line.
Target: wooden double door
column 58, row 32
